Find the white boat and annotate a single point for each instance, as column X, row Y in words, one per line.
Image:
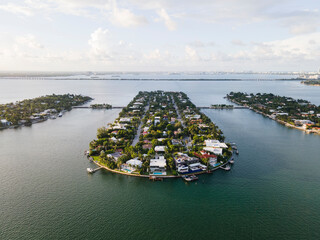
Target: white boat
column 90, row 170
column 231, row 161
column 60, row 115
column 189, row 178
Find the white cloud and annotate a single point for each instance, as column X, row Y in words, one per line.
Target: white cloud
column 191, row 54
column 100, row 43
column 17, row 9
column 238, row 42
column 125, row 18
column 29, row 41
column 170, row 24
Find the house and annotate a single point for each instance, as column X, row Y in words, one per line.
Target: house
column 302, row 122
column 135, row 162
column 216, row 151
column 156, row 120
column 215, row 144
column 5, row 123
column 147, row 146
column 131, row 165
column 115, row 156
column 119, row 126
column 176, row 142
column 158, row 166
column 125, row 120
column 160, row 148
column 183, row 169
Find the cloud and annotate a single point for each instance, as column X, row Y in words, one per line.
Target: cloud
column 125, row 18
column 29, row 41
column 201, row 44
column 164, row 16
column 191, row 54
column 17, row 9
column 238, row 42
column 99, row 43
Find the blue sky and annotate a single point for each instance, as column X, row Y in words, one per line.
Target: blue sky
column 159, row 35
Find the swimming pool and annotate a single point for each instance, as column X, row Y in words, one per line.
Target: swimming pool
column 158, row 173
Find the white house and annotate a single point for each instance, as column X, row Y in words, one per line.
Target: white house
column 5, row 123
column 158, row 165
column 134, row 162
column 156, row 120
column 216, row 151
column 215, row 144
column 160, row 148
column 124, row 120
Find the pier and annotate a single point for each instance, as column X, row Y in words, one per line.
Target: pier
column 120, row 107
column 91, row 170
column 87, row 107
column 235, row 107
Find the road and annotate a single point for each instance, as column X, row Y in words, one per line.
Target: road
column 136, row 138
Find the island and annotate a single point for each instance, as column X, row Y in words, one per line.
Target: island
column 161, row 134
column 299, row 114
column 29, row 111
column 311, row 82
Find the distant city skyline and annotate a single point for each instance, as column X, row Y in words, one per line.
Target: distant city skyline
column 159, row 35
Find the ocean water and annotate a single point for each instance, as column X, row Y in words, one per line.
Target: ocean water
column 271, row 192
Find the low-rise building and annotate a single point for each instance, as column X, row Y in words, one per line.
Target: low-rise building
column 158, row 166
column 160, row 148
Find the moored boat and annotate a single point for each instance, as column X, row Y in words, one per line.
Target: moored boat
column 90, row 170
column 189, row 178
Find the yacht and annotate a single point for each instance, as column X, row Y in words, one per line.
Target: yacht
column 90, row 170
column 189, row 178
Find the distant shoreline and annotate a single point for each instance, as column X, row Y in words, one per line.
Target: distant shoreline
column 146, row 79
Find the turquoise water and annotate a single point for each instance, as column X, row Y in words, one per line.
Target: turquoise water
column 271, row 192
column 157, row 173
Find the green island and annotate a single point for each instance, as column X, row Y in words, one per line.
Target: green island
column 101, row 106
column 311, row 82
column 29, row 111
column 221, row 106
column 299, row 114
column 161, row 134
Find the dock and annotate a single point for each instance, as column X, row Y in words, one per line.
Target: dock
column 91, row 170
column 88, row 107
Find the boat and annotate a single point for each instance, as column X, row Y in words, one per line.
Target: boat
column 90, row 170
column 226, row 167
column 189, row 178
column 231, row 161
column 237, row 152
column 60, row 115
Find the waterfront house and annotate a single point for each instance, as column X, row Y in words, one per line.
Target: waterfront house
column 216, row 151
column 5, row 123
column 215, row 144
column 131, row 165
column 158, row 166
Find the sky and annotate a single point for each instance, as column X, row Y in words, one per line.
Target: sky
column 159, row 35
